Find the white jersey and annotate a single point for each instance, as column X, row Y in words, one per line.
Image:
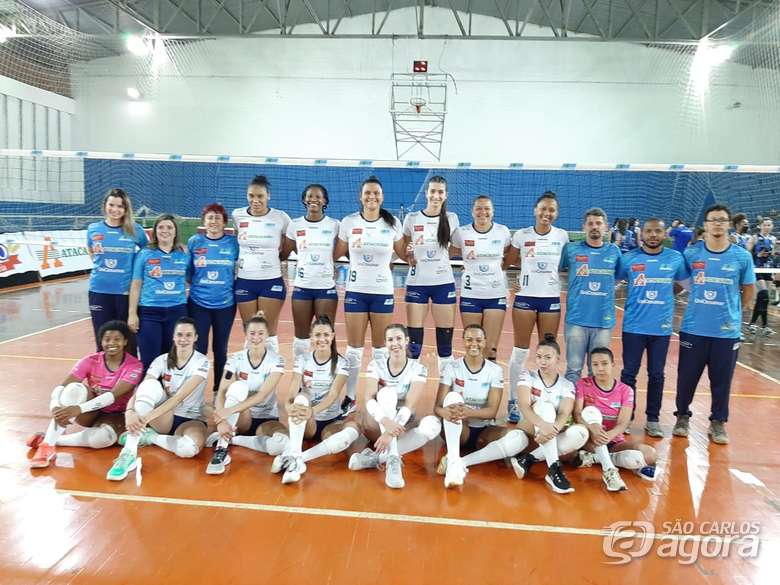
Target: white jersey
column 314, row 242
column 316, row 382
column 370, row 253
column 483, row 255
column 412, row 372
column 259, row 239
column 561, row 389
column 255, row 375
column 173, row 379
column 539, row 259
column 433, row 262
column 473, row 386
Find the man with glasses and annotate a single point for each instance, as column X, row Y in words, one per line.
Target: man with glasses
column 722, row 281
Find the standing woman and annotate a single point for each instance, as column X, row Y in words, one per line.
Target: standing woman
column 312, row 237
column 537, row 251
column 157, row 293
column 427, row 233
column 260, row 230
column 483, row 245
column 369, row 237
column 112, row 245
column 211, row 303
column 761, row 246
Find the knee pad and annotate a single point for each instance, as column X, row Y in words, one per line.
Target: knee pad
column 73, row 394
column 301, row 400
column 416, row 335
column 236, row 392
column 380, row 354
column 387, row 398
column 429, row 427
column 545, row 411
column 512, row 443
column 273, row 343
column 149, row 394
column 452, row 398
column 300, row 346
column 338, row 442
column 354, row 356
column 444, row 341
column 101, row 437
column 592, row 415
column 277, row 443
column 629, row 459
column 186, row 447
column 572, row 439
column 444, row 363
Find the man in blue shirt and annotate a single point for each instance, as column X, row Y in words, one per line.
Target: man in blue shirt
column 590, row 302
column 722, row 281
column 681, row 235
column 650, row 272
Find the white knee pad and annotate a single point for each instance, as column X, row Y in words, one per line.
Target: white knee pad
column 629, row 459
column 74, row 394
column 186, row 447
column 512, row 443
column 338, row 442
column 300, row 348
column 101, row 437
column 236, row 392
column 301, row 400
column 592, row 415
column 545, row 411
column 572, row 439
column 387, row 398
column 149, row 394
column 354, row 356
column 380, row 354
column 429, row 427
column 452, row 398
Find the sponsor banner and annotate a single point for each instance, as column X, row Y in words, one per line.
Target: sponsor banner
column 48, row 253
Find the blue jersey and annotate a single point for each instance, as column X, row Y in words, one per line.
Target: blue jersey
column 212, row 270
column 163, row 277
column 649, row 304
column 592, row 271
column 740, row 240
column 628, row 242
column 715, row 304
column 113, row 253
column 681, row 236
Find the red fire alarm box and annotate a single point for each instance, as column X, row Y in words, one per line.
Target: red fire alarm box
column 420, row 67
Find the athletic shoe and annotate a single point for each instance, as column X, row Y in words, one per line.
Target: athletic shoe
column 455, row 473
column 348, row 406
column 366, row 459
column 441, row 469
column 295, row 468
column 753, row 328
column 514, row 412
column 280, row 463
column 717, row 433
column 522, row 465
column 219, row 460
column 613, row 481
column 767, row 332
column 393, row 476
column 212, row 439
column 145, row 439
column 627, row 430
column 34, row 440
column 557, row 480
column 123, row 465
column 653, row 429
column 647, row 472
column 682, row 426
column 44, row 455
column 585, row 459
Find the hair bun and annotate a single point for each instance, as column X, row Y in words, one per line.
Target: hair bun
column 549, row 337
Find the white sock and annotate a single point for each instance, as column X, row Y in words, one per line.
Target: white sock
column 413, row 439
column 547, row 451
column 167, row 442
column 516, row 366
column 354, row 360
column 295, row 445
column 53, row 433
column 507, row 446
column 256, row 443
column 602, row 456
column 335, row 443
column 131, row 444
column 93, row 437
column 452, row 431
column 300, row 349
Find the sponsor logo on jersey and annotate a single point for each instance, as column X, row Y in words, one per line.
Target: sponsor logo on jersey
column 243, row 376
column 169, row 285
column 155, row 272
column 665, row 268
column 430, row 254
column 579, row 258
column 640, row 280
column 419, row 228
column 541, row 265
column 315, row 257
column 531, row 253
column 357, row 231
column 200, row 251
column 651, row 294
column 154, row 261
column 97, row 248
column 97, row 237
column 700, row 265
column 582, row 270
column 212, row 275
column 468, row 242
column 200, row 262
column 699, row 278
column 381, row 382
column 308, row 373
column 728, row 268
column 243, row 224
column 594, row 286
column 710, row 295
column 536, row 392
column 166, row 377
column 110, row 262
column 638, row 267
column 471, row 255
column 300, row 233
column 484, row 267
column 529, row 243
column 459, row 382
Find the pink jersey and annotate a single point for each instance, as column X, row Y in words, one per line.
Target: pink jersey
column 92, row 370
column 609, row 402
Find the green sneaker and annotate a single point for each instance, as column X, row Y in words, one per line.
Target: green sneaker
column 717, row 433
column 123, row 465
column 145, row 440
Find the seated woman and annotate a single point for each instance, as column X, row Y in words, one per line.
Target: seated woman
column 546, row 400
column 389, row 417
column 313, row 406
column 468, row 399
column 167, row 409
column 246, row 412
column 94, row 395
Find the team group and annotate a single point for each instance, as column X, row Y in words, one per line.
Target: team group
column 138, row 292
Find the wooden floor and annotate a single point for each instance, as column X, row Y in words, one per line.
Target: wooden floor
column 67, row 524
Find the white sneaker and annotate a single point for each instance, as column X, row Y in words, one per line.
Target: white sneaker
column 295, row 468
column 393, row 476
column 279, row 463
column 613, row 481
column 753, row 328
column 767, row 332
column 212, row 439
column 366, row 459
column 586, row 458
column 455, row 473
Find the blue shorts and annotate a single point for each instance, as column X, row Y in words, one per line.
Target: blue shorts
column 256, row 422
column 468, row 305
column 439, row 294
column 471, row 442
column 180, row 420
column 314, row 294
column 355, row 302
column 321, row 424
column 538, row 304
column 251, row 290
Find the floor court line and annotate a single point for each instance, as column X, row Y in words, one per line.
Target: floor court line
column 358, row 515
column 60, row 326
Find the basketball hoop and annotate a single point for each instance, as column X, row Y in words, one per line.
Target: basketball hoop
column 417, row 103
